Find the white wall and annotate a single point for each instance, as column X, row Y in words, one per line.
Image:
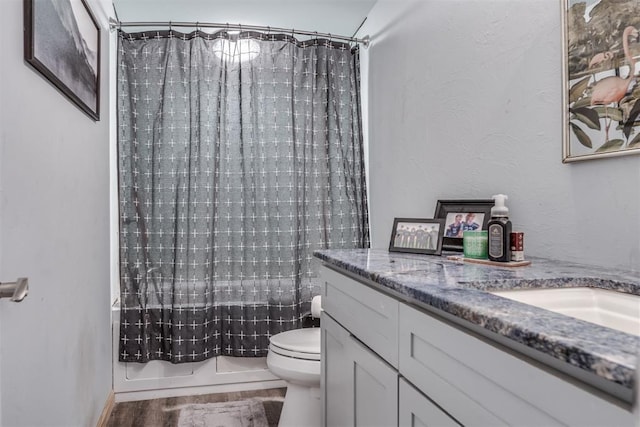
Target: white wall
column 465, row 102
column 2, row 108
column 2, row 113
column 54, row 223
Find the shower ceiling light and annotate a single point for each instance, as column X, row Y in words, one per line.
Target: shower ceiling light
column 236, row 50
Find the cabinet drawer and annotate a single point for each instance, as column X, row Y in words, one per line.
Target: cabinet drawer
column 416, row 410
column 430, row 360
column 480, row 384
column 365, row 312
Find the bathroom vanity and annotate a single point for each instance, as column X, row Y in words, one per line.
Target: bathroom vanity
column 422, row 340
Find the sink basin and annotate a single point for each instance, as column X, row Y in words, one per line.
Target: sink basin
column 608, row 308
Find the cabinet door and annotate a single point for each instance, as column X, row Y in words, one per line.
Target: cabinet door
column 336, row 381
column 358, row 387
column 375, row 388
column 416, row 410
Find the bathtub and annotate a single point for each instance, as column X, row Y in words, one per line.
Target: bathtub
column 156, row 379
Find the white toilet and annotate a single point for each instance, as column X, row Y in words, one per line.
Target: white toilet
column 294, row 356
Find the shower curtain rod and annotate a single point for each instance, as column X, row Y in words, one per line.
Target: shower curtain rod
column 113, row 24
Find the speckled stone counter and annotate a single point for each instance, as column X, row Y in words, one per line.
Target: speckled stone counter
column 460, row 289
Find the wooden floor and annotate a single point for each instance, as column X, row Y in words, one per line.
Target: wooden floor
column 165, row 412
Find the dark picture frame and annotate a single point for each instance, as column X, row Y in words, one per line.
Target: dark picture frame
column 447, row 211
column 417, row 235
column 62, row 42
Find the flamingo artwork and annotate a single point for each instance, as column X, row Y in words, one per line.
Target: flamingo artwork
column 613, row 88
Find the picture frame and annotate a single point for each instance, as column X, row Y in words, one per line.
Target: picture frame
column 448, row 210
column 62, row 43
column 600, row 98
column 417, row 235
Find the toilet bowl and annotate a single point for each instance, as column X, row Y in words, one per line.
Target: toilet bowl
column 294, row 356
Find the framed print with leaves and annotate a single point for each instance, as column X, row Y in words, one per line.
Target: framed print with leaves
column 601, row 95
column 62, row 42
column 417, row 235
column 462, row 215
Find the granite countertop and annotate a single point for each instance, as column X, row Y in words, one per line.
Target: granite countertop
column 460, row 289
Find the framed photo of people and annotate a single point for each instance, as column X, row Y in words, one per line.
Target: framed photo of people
column 417, row 235
column 460, row 216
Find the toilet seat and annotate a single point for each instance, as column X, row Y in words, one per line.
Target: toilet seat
column 298, row 344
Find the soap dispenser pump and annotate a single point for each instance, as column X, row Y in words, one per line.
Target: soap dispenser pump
column 499, row 230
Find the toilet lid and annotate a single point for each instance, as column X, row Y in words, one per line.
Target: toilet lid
column 300, row 343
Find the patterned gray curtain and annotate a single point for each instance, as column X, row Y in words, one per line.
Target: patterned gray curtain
column 239, row 155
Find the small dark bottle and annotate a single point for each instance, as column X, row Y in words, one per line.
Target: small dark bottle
column 499, row 231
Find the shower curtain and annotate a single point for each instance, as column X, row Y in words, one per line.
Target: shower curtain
column 238, row 156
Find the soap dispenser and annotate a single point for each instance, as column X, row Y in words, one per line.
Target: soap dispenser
column 499, row 230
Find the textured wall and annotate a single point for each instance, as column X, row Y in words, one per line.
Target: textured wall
column 55, row 360
column 465, row 102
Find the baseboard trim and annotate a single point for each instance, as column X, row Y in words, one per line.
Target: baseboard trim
column 106, row 411
column 193, row 391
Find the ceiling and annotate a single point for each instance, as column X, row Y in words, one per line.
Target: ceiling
column 340, row 17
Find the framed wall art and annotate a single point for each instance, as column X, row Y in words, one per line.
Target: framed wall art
column 601, row 96
column 462, row 215
column 417, row 235
column 62, row 42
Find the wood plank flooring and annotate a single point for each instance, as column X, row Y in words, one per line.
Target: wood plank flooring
column 165, row 412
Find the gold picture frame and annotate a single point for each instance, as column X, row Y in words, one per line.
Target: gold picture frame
column 601, row 98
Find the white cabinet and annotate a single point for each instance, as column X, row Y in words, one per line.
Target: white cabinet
column 417, row 410
column 387, row 363
column 359, row 388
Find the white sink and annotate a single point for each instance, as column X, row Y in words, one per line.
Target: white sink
column 612, row 309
